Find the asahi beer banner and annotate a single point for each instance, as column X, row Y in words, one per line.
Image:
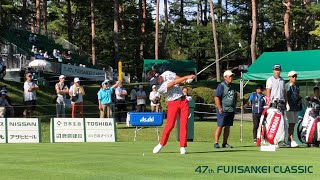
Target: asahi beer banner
column 23, row 130
column 82, row 130
column 71, row 70
column 67, row 130
column 100, row 130
column 3, row 130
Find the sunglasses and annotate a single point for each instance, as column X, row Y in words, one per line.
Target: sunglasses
column 294, row 76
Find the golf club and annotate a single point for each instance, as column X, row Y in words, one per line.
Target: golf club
column 240, row 46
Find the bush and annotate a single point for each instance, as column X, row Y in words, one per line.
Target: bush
column 206, row 96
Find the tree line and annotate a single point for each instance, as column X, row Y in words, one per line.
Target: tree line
column 133, row 30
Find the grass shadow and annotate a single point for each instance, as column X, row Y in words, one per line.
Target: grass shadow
column 213, row 151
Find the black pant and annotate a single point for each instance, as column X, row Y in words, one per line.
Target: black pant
column 255, row 120
column 121, row 109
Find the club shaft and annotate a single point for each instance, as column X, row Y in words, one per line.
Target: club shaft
column 216, row 61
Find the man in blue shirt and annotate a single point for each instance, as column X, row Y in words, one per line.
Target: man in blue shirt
column 257, row 102
column 105, row 99
column 225, row 100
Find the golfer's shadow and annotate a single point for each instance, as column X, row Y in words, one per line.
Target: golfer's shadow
column 213, row 151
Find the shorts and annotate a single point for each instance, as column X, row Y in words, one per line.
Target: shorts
column 30, row 105
column 292, row 116
column 225, row 119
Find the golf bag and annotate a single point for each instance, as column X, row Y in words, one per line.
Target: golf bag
column 271, row 127
column 309, row 127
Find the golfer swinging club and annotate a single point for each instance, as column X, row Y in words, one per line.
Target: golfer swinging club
column 168, row 85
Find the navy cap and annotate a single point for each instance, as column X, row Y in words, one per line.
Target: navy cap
column 277, row 66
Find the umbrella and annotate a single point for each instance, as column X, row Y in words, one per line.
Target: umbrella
column 39, row 63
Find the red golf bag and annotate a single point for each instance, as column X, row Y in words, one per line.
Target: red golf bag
column 309, row 126
column 271, row 127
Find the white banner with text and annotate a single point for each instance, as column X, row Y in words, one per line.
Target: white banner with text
column 83, row 72
column 82, row 130
column 22, row 130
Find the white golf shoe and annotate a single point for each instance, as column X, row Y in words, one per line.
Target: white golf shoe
column 183, row 150
column 157, row 149
column 294, row 144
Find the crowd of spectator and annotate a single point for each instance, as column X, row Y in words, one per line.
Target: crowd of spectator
column 49, row 54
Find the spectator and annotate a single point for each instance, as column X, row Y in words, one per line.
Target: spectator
column 294, row 105
column 76, row 93
column 4, row 89
column 66, row 55
column 154, row 97
column 7, row 110
column 35, row 51
column 133, row 98
column 121, row 94
column 257, row 102
column 185, row 93
column 30, row 96
column 105, row 99
column 135, row 79
column 62, row 90
column 39, row 55
column 225, row 100
column 46, row 55
column 69, row 55
column 141, row 99
column 57, row 55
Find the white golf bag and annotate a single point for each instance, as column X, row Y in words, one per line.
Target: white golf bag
column 271, row 127
column 309, row 126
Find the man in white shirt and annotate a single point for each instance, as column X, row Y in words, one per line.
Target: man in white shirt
column 121, row 94
column 154, row 99
column 276, row 92
column 141, row 99
column 30, row 96
column 62, row 90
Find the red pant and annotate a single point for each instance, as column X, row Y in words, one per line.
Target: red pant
column 77, row 110
column 175, row 107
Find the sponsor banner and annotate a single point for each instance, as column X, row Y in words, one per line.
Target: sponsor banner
column 23, row 130
column 146, row 118
column 3, row 130
column 67, row 130
column 100, row 130
column 83, row 72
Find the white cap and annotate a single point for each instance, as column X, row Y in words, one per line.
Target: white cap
column 62, row 76
column 228, row 73
column 291, row 73
column 76, row 79
column 140, row 86
column 154, row 86
column 3, row 92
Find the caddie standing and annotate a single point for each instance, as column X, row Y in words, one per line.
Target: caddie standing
column 294, row 105
column 225, row 100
